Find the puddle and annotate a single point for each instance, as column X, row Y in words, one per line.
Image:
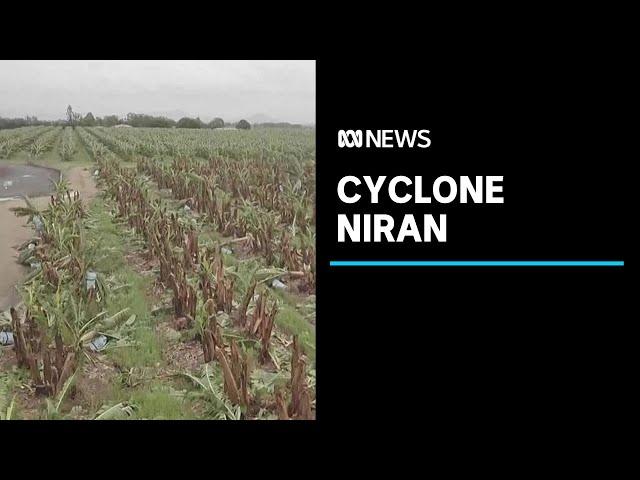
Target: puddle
column 29, row 180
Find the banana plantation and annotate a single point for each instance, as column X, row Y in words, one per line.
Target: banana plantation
column 183, row 289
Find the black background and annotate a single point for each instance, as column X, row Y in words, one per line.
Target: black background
column 518, row 351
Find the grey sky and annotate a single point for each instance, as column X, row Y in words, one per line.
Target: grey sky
column 280, row 90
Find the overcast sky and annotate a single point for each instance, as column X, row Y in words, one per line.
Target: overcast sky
column 281, row 90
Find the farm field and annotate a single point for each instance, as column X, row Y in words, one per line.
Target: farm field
column 170, row 274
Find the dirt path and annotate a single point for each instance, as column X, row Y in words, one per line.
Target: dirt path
column 14, row 231
column 82, row 180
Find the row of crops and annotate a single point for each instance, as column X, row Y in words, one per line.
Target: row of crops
column 37, row 141
column 61, row 309
column 227, row 220
column 259, row 202
column 204, row 292
column 12, row 141
column 263, row 192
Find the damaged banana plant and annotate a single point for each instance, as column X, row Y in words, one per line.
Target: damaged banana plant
column 47, row 337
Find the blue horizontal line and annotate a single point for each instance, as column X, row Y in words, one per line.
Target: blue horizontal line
column 476, row 263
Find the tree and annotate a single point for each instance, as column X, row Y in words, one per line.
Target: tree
column 110, row 120
column 89, row 120
column 70, row 116
column 216, row 123
column 148, row 121
column 12, row 123
column 243, row 125
column 186, row 122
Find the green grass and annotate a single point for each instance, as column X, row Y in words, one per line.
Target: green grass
column 10, row 381
column 292, row 322
column 81, row 156
column 161, row 403
column 153, row 400
column 146, row 351
column 130, row 290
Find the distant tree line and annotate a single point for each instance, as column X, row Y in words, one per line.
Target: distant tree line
column 278, row 125
column 74, row 119
column 27, row 121
column 148, row 121
column 186, row 122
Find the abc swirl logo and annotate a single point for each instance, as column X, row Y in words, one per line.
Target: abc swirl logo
column 350, row 138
